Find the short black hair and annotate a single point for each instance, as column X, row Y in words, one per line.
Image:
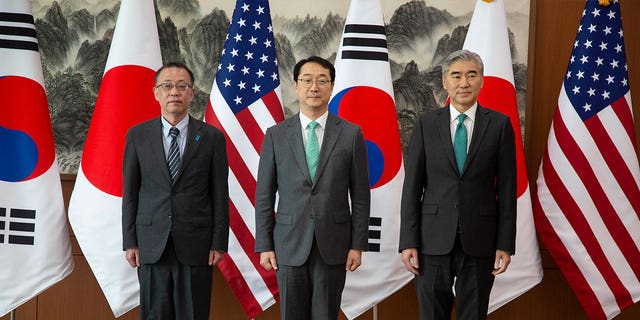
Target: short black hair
column 315, row 59
column 178, row 65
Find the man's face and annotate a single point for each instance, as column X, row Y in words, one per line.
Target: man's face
column 314, row 96
column 463, row 83
column 171, row 93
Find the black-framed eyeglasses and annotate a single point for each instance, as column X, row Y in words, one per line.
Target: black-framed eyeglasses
column 168, row 86
column 307, row 83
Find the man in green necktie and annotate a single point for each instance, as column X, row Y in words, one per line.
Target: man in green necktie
column 317, row 163
column 458, row 213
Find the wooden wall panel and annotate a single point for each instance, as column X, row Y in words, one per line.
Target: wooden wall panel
column 26, row 311
column 552, row 31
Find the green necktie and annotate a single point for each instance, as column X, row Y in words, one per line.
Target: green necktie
column 460, row 142
column 312, row 149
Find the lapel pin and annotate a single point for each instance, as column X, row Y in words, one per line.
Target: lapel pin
column 198, row 138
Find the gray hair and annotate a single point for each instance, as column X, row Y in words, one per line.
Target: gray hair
column 462, row 55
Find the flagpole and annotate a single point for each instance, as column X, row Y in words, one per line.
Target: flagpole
column 13, row 315
column 375, row 312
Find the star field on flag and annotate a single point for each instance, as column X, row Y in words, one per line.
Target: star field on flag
column 597, row 74
column 248, row 67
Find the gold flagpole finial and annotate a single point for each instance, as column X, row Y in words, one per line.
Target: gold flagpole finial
column 487, row 0
column 604, row 2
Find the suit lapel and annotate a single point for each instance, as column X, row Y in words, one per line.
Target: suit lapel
column 479, row 129
column 294, row 133
column 155, row 138
column 444, row 129
column 331, row 133
column 194, row 135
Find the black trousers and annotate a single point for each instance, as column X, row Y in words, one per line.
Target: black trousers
column 312, row 291
column 473, row 282
column 170, row 290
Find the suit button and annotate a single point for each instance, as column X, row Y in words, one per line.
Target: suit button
column 455, row 205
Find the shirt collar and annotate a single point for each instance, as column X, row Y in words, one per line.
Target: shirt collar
column 182, row 125
column 471, row 112
column 322, row 120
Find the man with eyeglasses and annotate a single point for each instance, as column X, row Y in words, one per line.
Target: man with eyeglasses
column 316, row 162
column 175, row 207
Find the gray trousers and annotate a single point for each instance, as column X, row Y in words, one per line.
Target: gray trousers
column 311, row 291
column 170, row 290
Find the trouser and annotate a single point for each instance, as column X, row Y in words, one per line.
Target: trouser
column 171, row 290
column 473, row 282
column 311, row 291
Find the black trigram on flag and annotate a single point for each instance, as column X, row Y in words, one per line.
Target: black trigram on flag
column 375, row 233
column 364, row 42
column 17, row 31
column 18, row 227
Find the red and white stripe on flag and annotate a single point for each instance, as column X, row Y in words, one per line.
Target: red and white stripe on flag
column 363, row 94
column 34, row 241
column 244, row 102
column 588, row 202
column 488, row 36
column 125, row 99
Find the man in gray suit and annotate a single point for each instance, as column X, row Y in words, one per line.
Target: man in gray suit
column 175, row 207
column 459, row 197
column 316, row 162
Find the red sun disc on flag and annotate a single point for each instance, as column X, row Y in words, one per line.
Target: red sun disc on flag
column 125, row 99
column 499, row 94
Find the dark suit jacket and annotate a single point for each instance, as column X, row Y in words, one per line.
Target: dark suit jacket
column 195, row 208
column 481, row 199
column 307, row 209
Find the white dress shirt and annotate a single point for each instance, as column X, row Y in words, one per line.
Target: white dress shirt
column 469, row 121
column 183, row 126
column 322, row 122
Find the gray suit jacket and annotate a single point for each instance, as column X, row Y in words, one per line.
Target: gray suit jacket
column 481, row 199
column 307, row 209
column 195, row 208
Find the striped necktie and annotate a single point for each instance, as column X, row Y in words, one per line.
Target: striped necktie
column 173, row 157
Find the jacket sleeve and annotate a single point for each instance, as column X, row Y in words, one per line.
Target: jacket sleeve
column 507, row 190
column 266, row 195
column 220, row 194
column 360, row 192
column 130, row 189
column 415, row 181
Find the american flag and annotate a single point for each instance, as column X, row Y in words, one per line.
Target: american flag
column 244, row 102
column 588, row 201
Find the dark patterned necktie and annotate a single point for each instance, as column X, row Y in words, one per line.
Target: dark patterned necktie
column 173, row 158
